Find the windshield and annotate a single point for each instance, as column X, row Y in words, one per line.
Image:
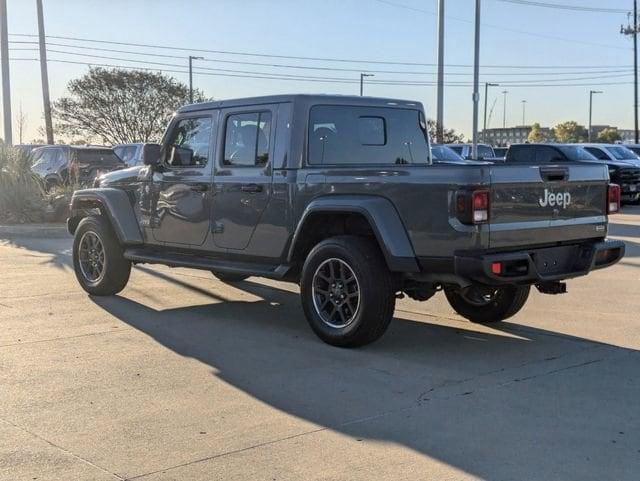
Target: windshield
column 575, row 153
column 622, row 153
column 442, row 152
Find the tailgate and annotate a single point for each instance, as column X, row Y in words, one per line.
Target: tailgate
column 532, row 204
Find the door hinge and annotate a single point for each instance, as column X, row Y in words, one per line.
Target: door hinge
column 218, row 227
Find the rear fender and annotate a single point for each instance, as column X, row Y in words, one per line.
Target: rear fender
column 382, row 217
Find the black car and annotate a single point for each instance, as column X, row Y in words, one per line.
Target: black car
column 63, row 164
column 622, row 172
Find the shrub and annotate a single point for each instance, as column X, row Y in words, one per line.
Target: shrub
column 22, row 198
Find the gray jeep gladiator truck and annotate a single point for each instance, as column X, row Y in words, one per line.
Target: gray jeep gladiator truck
column 340, row 195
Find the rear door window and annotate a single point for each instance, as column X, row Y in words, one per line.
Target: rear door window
column 347, row 135
column 247, row 137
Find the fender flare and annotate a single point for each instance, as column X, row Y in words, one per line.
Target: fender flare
column 383, row 218
column 115, row 204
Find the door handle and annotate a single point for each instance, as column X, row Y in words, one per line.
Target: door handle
column 554, row 174
column 251, row 188
column 200, row 188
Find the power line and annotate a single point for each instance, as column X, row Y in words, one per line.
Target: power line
column 559, row 6
column 201, row 69
column 319, row 79
column 313, row 59
column 403, row 72
column 501, row 27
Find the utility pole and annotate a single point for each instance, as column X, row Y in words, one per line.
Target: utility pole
column 629, row 30
column 362, row 77
column 591, row 93
column 486, row 97
column 476, row 81
column 524, row 112
column 440, row 88
column 191, row 59
column 504, row 109
column 6, row 87
column 48, row 126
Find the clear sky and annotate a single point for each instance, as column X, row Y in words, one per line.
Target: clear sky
column 390, row 31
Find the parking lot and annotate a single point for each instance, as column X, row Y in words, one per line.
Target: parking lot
column 182, row 377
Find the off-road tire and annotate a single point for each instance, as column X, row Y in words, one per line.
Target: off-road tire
column 116, row 268
column 229, row 277
column 376, row 296
column 506, row 303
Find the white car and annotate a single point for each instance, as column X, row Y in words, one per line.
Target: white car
column 612, row 152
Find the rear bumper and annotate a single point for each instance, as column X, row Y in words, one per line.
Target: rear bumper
column 534, row 266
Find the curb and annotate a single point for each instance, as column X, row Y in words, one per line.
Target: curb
column 45, row 231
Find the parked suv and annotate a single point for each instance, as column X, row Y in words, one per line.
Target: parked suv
column 340, row 195
column 58, row 164
column 621, row 172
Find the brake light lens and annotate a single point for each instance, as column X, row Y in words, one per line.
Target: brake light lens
column 613, row 199
column 480, row 206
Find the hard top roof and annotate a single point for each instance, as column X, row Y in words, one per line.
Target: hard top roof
column 305, row 98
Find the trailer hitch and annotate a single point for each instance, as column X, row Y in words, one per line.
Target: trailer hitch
column 552, row 288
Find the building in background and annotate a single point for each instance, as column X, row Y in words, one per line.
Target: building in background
column 503, row 137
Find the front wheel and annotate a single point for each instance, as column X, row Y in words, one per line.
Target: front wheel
column 484, row 305
column 347, row 291
column 100, row 267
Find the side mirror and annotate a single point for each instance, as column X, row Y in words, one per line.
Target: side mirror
column 151, row 154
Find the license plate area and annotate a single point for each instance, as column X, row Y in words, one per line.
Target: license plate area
column 556, row 260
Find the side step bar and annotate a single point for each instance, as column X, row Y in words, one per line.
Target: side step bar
column 173, row 259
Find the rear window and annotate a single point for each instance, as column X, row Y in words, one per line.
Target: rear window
column 366, row 135
column 442, row 152
column 485, row 152
column 457, row 149
column 521, row 153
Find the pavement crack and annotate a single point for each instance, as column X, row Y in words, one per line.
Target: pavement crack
column 60, row 448
column 66, row 337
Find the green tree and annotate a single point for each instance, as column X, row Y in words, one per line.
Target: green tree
column 609, row 136
column 570, row 132
column 120, row 106
column 537, row 134
column 450, row 135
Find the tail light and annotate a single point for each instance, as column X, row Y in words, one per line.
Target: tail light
column 613, row 199
column 480, row 206
column 472, row 207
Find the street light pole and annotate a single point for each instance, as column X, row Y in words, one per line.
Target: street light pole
column 524, row 112
column 362, row 76
column 191, row 59
column 476, row 81
column 440, row 94
column 44, row 74
column 6, row 88
column 504, row 109
column 591, row 92
column 629, row 30
column 486, row 97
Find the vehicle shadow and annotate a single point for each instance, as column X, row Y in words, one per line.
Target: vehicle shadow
column 513, row 403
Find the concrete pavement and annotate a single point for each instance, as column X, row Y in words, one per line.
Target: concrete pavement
column 183, row 377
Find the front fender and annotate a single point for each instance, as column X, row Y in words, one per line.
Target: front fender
column 115, row 204
column 382, row 217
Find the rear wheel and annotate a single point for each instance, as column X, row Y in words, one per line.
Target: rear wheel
column 483, row 304
column 98, row 262
column 347, row 291
column 229, row 277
